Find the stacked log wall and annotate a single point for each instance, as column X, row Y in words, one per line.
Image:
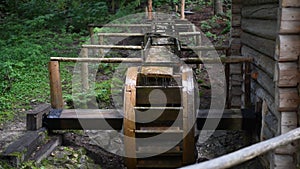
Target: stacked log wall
column 287, row 77
column 258, row 40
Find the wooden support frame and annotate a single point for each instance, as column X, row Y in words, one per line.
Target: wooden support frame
column 55, row 85
column 96, row 119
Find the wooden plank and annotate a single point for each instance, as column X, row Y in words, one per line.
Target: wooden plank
column 265, row 46
column 265, row 81
column 263, row 62
column 102, row 60
column 250, row 152
column 119, row 25
column 129, row 120
column 120, row 34
column 204, row 48
column 290, row 3
column 288, row 119
column 262, row 28
column 55, row 85
column 158, row 114
column 289, row 27
column 79, row 119
column 287, row 99
column 290, row 14
column 231, row 119
column 148, row 96
column 260, row 92
column 189, row 114
column 23, row 148
column 128, row 47
column 288, row 74
column 288, row 48
column 45, row 150
column 265, row 11
column 34, row 117
column 258, row 2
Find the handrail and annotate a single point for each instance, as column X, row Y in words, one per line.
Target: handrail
column 248, row 153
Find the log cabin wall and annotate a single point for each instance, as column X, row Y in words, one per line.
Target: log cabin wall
column 287, row 77
column 270, row 33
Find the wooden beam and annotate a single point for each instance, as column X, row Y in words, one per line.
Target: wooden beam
column 288, row 48
column 34, row 118
column 249, row 152
column 102, row 60
column 128, row 47
column 288, row 99
column 120, row 34
column 55, row 85
column 232, row 119
column 22, row 149
column 204, row 48
column 119, row 25
column 233, row 59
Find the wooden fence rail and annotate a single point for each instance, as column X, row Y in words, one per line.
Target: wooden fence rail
column 248, row 153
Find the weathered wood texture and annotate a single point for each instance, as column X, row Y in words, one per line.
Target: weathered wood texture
column 290, row 3
column 262, row 28
column 250, row 152
column 85, row 119
column 259, row 2
column 45, row 150
column 288, row 74
column 265, row 46
column 288, row 48
column 263, row 62
column 23, row 148
column 266, row 12
column 55, row 85
column 34, row 118
column 288, row 99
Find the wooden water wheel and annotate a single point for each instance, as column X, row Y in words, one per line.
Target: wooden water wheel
column 168, row 100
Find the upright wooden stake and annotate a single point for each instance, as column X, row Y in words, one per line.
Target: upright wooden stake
column 150, row 9
column 85, row 71
column 182, row 9
column 55, row 85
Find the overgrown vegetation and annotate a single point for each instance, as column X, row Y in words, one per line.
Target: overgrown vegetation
column 31, row 32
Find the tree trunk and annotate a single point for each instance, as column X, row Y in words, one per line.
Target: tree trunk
column 150, row 9
column 218, row 7
column 182, row 9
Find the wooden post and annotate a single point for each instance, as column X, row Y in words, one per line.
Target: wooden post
column 150, row 9
column 227, row 76
column 247, row 84
column 182, row 9
column 85, row 71
column 55, row 85
column 91, row 30
column 101, row 40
